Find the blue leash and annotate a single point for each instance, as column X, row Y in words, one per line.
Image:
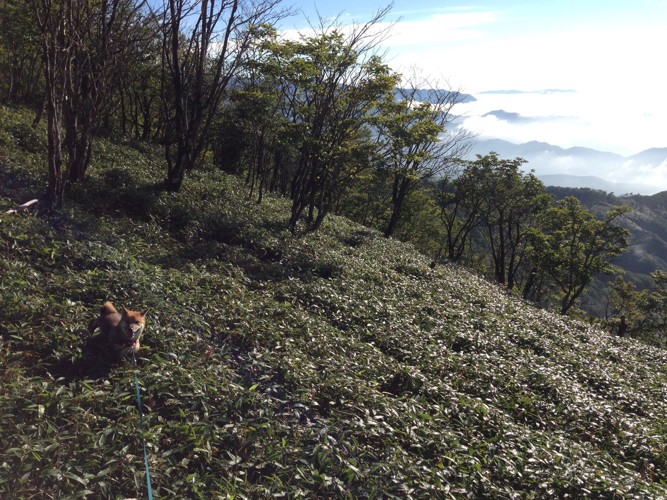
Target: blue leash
column 141, row 426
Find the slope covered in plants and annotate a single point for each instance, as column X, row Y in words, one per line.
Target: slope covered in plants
column 334, row 363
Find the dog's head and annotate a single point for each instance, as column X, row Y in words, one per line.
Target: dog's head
column 132, row 324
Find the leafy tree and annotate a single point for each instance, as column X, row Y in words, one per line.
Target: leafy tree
column 253, row 123
column 460, row 203
column 645, row 309
column 656, row 310
column 510, row 204
column 367, row 201
column 623, row 299
column 419, row 223
column 332, row 82
column 572, row 246
column 411, row 132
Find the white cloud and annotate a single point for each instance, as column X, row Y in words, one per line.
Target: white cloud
column 651, row 175
column 439, row 28
column 613, row 62
column 608, row 123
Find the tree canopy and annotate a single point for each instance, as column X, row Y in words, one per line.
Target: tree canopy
column 572, row 246
column 319, row 117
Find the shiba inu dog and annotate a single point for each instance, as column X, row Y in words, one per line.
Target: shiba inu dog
column 121, row 331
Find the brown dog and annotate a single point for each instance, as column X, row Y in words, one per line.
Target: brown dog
column 121, row 331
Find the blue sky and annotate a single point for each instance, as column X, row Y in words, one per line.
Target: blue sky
column 609, row 54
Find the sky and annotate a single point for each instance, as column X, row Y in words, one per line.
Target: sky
column 589, row 73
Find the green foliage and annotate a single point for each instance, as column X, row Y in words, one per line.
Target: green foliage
column 333, row 83
column 298, row 123
column 19, row 53
column 336, row 364
column 413, row 147
column 655, row 311
column 22, row 149
column 623, row 299
column 572, row 246
column 508, row 203
column 644, row 309
column 646, row 250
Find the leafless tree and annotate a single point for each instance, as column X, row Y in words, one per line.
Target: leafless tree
column 103, row 34
column 203, row 46
column 83, row 47
column 55, row 21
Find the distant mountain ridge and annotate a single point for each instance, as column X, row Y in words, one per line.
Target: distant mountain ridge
column 433, row 95
column 581, row 167
column 584, row 181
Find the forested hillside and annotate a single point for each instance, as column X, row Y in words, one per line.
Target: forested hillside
column 638, row 289
column 319, row 118
column 647, row 223
column 330, row 363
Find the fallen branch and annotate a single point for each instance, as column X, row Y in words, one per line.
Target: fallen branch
column 22, row 208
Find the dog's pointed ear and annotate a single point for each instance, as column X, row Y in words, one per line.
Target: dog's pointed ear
column 125, row 311
column 143, row 313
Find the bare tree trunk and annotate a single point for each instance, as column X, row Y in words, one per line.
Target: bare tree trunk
column 54, row 21
column 400, row 190
column 83, row 44
column 55, row 161
column 103, row 37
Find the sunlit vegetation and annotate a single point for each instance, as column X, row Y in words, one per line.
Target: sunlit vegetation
column 319, row 118
column 339, row 305
column 330, row 363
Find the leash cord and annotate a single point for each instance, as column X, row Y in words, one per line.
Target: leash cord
column 141, row 426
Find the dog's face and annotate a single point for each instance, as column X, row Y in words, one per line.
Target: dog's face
column 132, row 324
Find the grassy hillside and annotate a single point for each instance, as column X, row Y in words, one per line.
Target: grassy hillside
column 332, row 364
